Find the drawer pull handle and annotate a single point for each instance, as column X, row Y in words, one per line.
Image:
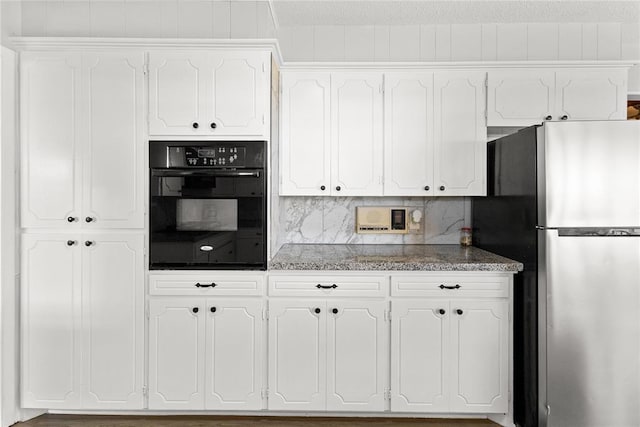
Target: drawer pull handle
column 319, row 286
column 449, row 287
column 210, row 285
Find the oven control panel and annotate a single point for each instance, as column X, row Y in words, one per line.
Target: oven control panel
column 213, row 156
column 207, row 154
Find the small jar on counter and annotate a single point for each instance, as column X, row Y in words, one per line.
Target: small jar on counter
column 465, row 236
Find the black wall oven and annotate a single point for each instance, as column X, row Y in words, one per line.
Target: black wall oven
column 208, row 205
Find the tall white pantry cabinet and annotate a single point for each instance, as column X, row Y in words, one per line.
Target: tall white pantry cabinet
column 82, row 216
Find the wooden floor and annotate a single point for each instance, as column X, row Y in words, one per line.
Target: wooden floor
column 225, row 421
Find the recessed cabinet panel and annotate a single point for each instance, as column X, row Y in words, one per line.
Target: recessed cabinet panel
column 305, row 130
column 419, row 355
column 50, row 135
column 591, row 95
column 408, row 138
column 519, row 97
column 50, row 319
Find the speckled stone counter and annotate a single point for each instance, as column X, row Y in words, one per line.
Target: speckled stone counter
column 390, row 257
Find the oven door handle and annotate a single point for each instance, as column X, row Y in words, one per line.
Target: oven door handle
column 180, row 173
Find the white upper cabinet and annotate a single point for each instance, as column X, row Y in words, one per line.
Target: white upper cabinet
column 209, row 94
column 305, row 134
column 356, row 134
column 523, row 97
column 82, row 147
column 460, row 133
column 408, row 134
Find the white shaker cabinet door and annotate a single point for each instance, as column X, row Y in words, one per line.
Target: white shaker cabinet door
column 297, row 355
column 234, row 354
column 113, row 320
column 420, row 356
column 480, row 340
column 50, row 138
column 239, row 94
column 357, row 355
column 50, row 319
column 591, row 95
column 408, row 134
column 178, row 85
column 113, row 167
column 460, row 134
column 176, row 353
column 356, row 136
column 305, row 134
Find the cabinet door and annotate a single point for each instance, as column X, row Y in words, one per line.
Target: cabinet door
column 357, row 356
column 519, row 97
column 305, row 134
column 356, row 134
column 479, row 353
column 408, row 134
column 113, row 321
column 50, row 319
column 176, row 353
column 239, row 94
column 177, row 93
column 113, row 159
column 460, row 134
column 591, row 95
column 234, row 355
column 297, row 354
column 420, row 356
column 50, row 116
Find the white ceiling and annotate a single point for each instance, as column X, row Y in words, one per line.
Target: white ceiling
column 401, row 12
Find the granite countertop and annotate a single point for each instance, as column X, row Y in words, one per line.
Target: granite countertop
column 389, row 257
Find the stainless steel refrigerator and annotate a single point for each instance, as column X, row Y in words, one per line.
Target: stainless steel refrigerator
column 564, row 199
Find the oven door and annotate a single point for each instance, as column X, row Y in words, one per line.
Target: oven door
column 207, row 219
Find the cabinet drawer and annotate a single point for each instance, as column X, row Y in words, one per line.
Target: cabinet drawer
column 210, row 284
column 323, row 286
column 450, row 285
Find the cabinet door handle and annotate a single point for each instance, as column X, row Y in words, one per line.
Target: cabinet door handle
column 213, row 309
column 442, row 188
column 334, row 311
column 427, row 188
column 317, row 311
column 88, row 243
column 71, row 242
column 213, row 125
column 565, row 117
column 548, row 117
column 319, row 286
column 338, row 188
column 195, row 309
column 441, row 311
column 195, row 125
column 459, row 312
column 72, row 218
column 89, row 219
column 322, row 187
column 210, row 285
column 449, row 287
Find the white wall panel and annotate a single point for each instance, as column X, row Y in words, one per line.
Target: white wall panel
column 570, row 41
column 609, row 41
column 244, row 20
column 221, row 19
column 359, row 43
column 195, row 19
column 404, row 42
column 589, row 41
column 34, row 18
column 542, row 42
column 69, row 18
column 489, row 42
column 428, row 42
column 466, row 42
column 511, row 42
column 108, row 19
column 381, row 42
column 169, row 18
column 265, row 26
column 329, row 43
column 443, row 42
column 142, row 19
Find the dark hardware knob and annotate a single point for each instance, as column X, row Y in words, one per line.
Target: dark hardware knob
column 458, row 311
column 548, row 118
column 213, row 125
column 210, row 285
column 334, row 311
column 88, row 243
column 89, row 219
column 449, row 287
column 338, row 188
column 565, row 117
column 317, row 310
column 319, row 286
column 71, row 219
column 213, row 309
column 195, row 125
column 427, row 188
column 71, row 242
column 322, row 187
column 441, row 311
column 195, row 309
column 442, row 188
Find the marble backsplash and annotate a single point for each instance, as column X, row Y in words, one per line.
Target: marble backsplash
column 332, row 220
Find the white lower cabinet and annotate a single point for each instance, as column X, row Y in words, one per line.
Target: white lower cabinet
column 449, row 356
column 82, row 321
column 327, row 354
column 205, row 353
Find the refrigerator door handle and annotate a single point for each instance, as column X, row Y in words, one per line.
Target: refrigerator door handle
column 599, row 232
